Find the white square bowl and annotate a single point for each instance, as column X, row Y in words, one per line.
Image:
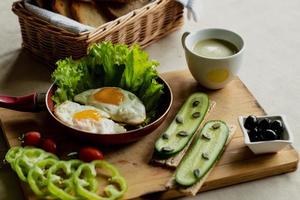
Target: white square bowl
column 271, row 146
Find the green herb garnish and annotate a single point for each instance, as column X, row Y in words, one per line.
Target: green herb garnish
column 107, row 64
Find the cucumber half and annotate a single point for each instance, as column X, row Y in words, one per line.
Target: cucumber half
column 183, row 126
column 203, row 154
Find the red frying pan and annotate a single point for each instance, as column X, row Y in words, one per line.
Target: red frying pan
column 40, row 101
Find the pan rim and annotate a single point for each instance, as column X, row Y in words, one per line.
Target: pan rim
column 157, row 120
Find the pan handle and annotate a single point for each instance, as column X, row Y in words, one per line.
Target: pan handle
column 30, row 103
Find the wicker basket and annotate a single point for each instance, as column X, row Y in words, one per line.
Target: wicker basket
column 143, row 26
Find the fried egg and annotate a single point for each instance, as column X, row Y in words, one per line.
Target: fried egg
column 123, row 106
column 87, row 118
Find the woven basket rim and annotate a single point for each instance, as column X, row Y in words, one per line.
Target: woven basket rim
column 144, row 26
column 18, row 8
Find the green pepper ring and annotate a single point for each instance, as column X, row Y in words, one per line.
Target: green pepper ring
column 27, row 159
column 35, row 161
column 68, row 167
column 37, row 178
column 111, row 192
column 15, row 152
column 12, row 154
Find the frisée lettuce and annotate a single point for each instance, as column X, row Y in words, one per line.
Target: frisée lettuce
column 108, row 64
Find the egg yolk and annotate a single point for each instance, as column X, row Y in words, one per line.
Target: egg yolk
column 87, row 114
column 109, row 95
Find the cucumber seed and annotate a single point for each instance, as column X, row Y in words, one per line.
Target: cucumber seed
column 167, row 149
column 216, row 126
column 205, row 155
column 206, row 136
column 165, row 136
column 196, row 103
column 196, row 115
column 179, row 119
column 182, row 133
column 197, row 173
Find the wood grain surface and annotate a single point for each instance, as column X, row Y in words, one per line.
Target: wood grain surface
column 238, row 164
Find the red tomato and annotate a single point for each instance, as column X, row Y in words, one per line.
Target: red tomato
column 49, row 145
column 32, row 138
column 89, row 154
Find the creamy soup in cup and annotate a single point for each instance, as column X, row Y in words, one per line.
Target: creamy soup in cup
column 213, row 56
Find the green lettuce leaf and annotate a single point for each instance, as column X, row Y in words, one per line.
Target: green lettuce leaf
column 108, row 64
column 137, row 67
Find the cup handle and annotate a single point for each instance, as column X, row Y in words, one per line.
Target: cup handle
column 183, row 39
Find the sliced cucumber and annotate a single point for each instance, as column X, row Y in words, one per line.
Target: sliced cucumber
column 183, row 126
column 203, row 154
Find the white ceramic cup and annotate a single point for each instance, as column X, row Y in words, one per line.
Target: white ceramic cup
column 212, row 73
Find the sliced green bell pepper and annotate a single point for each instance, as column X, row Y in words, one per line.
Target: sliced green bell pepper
column 12, row 154
column 60, row 181
column 27, row 159
column 83, row 179
column 37, row 178
column 50, row 178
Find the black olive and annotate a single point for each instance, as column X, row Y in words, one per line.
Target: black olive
column 261, row 136
column 253, row 131
column 277, row 126
column 250, row 122
column 255, row 137
column 279, row 136
column 269, row 135
column 264, row 124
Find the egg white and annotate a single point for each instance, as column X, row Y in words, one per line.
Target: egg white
column 130, row 111
column 104, row 125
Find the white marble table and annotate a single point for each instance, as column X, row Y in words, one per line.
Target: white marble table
column 271, row 70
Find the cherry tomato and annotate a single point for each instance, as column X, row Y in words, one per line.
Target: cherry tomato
column 32, row 138
column 49, row 145
column 89, row 154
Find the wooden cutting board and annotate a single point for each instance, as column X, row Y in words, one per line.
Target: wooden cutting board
column 238, row 164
